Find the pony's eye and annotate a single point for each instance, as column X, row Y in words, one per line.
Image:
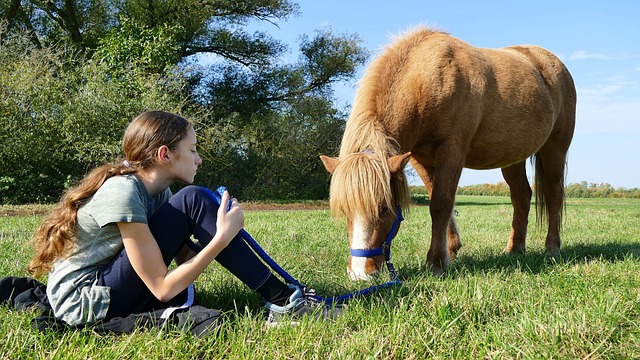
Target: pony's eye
column 384, row 210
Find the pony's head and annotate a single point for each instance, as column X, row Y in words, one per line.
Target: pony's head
column 367, row 188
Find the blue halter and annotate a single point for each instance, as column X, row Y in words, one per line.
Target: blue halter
column 385, row 248
column 217, row 197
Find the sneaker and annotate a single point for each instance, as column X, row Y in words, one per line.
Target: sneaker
column 299, row 306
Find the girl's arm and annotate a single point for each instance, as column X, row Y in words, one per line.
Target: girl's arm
column 146, row 258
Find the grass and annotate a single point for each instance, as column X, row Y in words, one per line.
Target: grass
column 488, row 305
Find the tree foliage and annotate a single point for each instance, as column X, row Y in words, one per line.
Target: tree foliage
column 74, row 72
column 146, row 50
column 584, row 189
column 211, row 26
column 275, row 159
column 62, row 115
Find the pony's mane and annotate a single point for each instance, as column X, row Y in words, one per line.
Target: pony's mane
column 362, row 182
column 378, row 84
column 364, row 132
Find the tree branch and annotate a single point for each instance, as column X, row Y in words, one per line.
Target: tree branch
column 67, row 19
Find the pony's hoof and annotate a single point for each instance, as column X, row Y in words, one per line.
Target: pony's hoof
column 514, row 250
column 438, row 264
column 437, row 272
column 554, row 253
column 439, row 268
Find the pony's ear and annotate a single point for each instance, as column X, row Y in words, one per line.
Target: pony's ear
column 398, row 162
column 329, row 163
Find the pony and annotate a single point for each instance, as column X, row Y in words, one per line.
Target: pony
column 442, row 104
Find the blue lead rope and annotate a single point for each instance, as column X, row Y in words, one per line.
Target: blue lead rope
column 217, row 196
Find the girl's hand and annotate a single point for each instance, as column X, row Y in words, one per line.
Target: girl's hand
column 228, row 223
column 146, row 257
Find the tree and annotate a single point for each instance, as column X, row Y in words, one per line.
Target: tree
column 61, row 116
column 246, row 91
column 274, row 123
column 212, row 26
column 276, row 159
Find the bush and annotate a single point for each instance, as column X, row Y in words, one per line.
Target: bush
column 65, row 112
column 62, row 114
column 583, row 189
column 278, row 159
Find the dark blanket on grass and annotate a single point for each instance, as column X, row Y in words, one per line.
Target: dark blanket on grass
column 23, row 293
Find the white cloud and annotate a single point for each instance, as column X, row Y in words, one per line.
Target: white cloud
column 610, row 89
column 584, row 55
column 598, row 113
column 598, row 92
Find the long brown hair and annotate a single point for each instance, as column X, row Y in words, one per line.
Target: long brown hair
column 144, row 135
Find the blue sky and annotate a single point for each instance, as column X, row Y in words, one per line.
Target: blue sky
column 599, row 41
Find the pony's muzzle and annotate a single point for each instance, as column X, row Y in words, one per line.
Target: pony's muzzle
column 364, row 268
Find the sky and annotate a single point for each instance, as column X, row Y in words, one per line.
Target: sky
column 599, row 42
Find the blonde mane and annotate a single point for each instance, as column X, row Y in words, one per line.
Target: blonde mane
column 362, row 182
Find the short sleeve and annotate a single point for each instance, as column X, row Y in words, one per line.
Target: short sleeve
column 119, row 199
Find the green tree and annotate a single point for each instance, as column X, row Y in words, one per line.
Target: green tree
column 276, row 159
column 133, row 49
column 212, row 26
column 79, row 22
column 145, row 50
column 61, row 115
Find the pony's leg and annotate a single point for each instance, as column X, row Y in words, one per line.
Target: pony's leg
column 445, row 184
column 520, row 190
column 553, row 163
column 453, row 234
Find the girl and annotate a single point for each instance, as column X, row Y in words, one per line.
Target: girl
column 109, row 241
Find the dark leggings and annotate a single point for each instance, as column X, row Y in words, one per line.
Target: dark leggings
column 190, row 212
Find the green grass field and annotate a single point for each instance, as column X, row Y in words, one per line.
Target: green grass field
column 488, row 305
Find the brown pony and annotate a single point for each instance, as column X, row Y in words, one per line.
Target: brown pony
column 443, row 104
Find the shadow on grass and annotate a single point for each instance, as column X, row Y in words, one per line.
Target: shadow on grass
column 531, row 262
column 473, row 203
column 239, row 301
column 490, row 201
column 426, row 202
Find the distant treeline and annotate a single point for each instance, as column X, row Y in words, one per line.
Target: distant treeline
column 582, row 189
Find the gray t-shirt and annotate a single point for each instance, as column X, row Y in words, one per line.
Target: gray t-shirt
column 72, row 284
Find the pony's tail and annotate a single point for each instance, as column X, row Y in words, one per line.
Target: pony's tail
column 539, row 189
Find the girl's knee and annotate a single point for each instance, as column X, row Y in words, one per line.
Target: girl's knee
column 193, row 194
column 189, row 190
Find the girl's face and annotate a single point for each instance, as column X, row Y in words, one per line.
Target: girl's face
column 186, row 160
